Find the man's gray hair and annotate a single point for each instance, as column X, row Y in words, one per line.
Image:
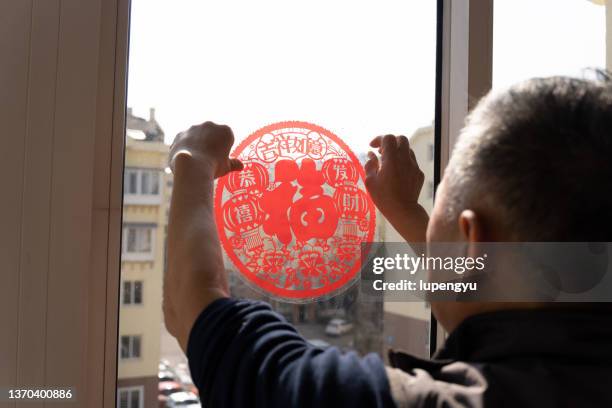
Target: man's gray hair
column 539, row 154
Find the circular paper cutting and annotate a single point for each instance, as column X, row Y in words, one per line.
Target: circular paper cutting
column 293, row 220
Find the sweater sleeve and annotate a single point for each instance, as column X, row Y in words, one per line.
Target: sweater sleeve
column 243, row 354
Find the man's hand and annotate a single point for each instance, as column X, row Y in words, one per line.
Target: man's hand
column 206, row 144
column 196, row 274
column 395, row 182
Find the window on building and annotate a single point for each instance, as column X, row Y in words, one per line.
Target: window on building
column 137, row 292
column 149, row 182
column 139, row 239
column 132, row 292
column 142, row 185
column 127, row 293
column 130, row 347
column 131, row 181
column 130, row 397
column 138, row 242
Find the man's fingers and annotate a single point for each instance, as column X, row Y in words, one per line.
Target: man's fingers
column 403, row 146
column 388, row 149
column 376, row 142
column 229, row 166
column 389, row 142
column 371, row 166
column 403, row 143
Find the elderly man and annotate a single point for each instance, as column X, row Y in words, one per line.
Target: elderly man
column 532, row 164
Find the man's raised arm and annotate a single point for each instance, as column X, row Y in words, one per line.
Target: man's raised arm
column 195, row 275
column 241, row 353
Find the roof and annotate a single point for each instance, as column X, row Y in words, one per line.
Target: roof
column 151, row 129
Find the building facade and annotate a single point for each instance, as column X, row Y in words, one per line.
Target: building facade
column 142, row 262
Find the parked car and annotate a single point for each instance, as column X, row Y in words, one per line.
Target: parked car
column 165, row 376
column 164, row 365
column 338, row 327
column 183, row 399
column 324, row 315
column 187, row 383
column 165, row 390
column 319, row 343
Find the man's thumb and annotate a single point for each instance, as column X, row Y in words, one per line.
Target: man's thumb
column 236, row 165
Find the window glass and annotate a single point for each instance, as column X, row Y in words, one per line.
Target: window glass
column 130, row 397
column 125, row 346
column 127, row 292
column 547, row 37
column 138, row 292
column 139, row 239
column 359, row 69
column 131, row 240
column 132, row 292
column 123, row 399
column 131, row 180
column 135, row 347
column 142, row 182
column 130, row 347
column 135, row 401
column 145, row 182
column 154, row 189
column 145, row 240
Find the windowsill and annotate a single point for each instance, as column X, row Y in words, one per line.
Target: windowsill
column 142, row 199
column 131, row 359
column 138, row 257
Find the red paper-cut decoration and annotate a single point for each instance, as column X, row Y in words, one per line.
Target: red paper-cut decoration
column 340, row 171
column 253, row 178
column 277, row 201
column 293, row 220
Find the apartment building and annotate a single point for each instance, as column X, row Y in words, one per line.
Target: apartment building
column 142, row 262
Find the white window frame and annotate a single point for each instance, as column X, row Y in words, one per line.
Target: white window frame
column 139, row 197
column 129, row 390
column 127, row 255
column 466, row 75
column 131, row 338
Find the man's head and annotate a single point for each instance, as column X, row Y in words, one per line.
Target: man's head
column 533, row 163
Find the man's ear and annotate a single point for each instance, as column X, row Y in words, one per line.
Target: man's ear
column 471, row 227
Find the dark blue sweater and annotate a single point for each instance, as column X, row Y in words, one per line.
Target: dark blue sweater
column 242, row 354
